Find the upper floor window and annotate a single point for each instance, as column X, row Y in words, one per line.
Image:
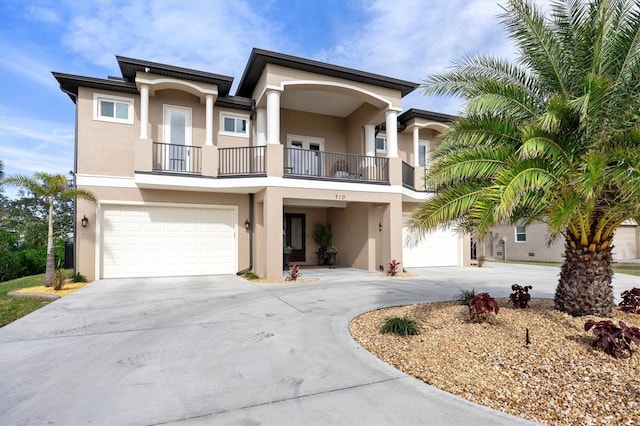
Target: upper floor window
column 112, row 108
column 381, row 143
column 521, row 234
column 423, row 154
column 234, row 125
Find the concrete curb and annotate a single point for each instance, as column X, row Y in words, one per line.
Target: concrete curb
column 34, row 295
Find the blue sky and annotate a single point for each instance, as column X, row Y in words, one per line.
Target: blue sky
column 402, row 39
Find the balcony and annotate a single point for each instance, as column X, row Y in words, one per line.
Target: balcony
column 408, row 176
column 171, row 158
column 242, row 161
column 314, row 164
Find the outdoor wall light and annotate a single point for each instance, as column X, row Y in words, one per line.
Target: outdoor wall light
column 380, row 226
column 247, row 224
column 84, row 221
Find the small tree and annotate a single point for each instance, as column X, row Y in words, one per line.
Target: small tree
column 51, row 189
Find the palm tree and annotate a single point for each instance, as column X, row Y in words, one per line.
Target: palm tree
column 50, row 188
column 553, row 137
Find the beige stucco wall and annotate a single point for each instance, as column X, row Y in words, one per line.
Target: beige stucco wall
column 104, row 147
column 86, row 237
column 331, row 129
column 277, row 76
column 537, row 244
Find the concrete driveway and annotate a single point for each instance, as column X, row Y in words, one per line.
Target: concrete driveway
column 221, row 350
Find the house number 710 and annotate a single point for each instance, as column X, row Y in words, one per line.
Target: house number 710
column 340, row 196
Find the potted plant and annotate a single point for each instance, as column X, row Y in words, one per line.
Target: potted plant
column 322, row 236
column 286, row 253
column 331, row 252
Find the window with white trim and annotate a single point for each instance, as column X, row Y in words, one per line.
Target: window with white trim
column 423, row 153
column 115, row 109
column 381, row 143
column 521, row 234
column 234, row 125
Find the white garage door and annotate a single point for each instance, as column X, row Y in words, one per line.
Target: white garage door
column 438, row 248
column 152, row 241
column 624, row 241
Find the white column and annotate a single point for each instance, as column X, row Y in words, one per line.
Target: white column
column 416, row 142
column 370, row 140
column 261, row 126
column 144, row 111
column 273, row 117
column 208, row 135
column 392, row 134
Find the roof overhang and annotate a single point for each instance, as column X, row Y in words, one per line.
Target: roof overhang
column 260, row 58
column 129, row 67
column 69, row 84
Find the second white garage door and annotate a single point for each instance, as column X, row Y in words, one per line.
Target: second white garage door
column 438, row 248
column 151, row 241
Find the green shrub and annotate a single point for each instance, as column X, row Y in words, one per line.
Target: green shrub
column 403, row 326
column 78, row 278
column 250, row 275
column 465, row 296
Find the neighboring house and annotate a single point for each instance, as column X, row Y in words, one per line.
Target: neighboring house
column 192, row 180
column 520, row 242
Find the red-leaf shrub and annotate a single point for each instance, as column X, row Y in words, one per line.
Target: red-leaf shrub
column 481, row 305
column 294, row 273
column 631, row 301
column 614, row 340
column 520, row 296
column 394, row 267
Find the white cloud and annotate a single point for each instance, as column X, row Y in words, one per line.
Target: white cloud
column 26, row 65
column 212, row 35
column 413, row 39
column 35, row 145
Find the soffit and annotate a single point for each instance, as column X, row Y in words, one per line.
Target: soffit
column 259, row 58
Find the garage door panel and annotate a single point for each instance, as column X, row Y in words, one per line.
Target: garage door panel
column 437, row 248
column 153, row 241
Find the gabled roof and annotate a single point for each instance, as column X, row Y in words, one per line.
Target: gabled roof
column 427, row 115
column 69, row 84
column 130, row 66
column 260, row 58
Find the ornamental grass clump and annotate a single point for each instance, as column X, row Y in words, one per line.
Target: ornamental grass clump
column 404, row 326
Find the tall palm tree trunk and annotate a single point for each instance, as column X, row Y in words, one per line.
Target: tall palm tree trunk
column 585, row 280
column 48, row 278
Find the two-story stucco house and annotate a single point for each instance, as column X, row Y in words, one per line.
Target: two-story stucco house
column 192, row 180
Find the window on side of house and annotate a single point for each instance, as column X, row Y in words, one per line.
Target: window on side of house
column 115, row 109
column 423, row 154
column 234, row 125
column 521, row 234
column 381, row 143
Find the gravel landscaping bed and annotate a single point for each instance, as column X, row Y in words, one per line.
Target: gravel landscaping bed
column 558, row 379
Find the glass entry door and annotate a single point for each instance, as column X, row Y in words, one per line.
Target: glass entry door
column 294, row 236
column 177, row 136
column 307, row 161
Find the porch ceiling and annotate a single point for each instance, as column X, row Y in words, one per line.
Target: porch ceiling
column 302, row 202
column 320, row 102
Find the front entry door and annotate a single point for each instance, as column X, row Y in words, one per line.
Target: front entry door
column 294, row 236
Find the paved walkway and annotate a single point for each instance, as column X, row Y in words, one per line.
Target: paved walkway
column 221, row 350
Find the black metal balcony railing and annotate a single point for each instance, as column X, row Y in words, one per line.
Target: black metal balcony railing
column 333, row 165
column 177, row 158
column 408, row 175
column 242, row 161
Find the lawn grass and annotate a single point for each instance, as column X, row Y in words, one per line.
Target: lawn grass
column 620, row 268
column 12, row 308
